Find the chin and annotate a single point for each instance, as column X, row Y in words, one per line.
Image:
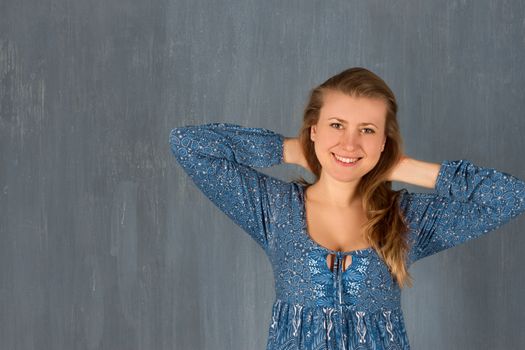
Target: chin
column 342, row 177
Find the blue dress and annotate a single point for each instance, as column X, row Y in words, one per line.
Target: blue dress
column 316, row 307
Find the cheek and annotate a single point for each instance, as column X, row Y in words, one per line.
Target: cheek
column 322, row 141
column 325, row 139
column 373, row 145
column 322, row 149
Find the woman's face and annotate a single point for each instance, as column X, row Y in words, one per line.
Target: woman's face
column 352, row 128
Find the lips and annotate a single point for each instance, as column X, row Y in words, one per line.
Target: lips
column 345, row 163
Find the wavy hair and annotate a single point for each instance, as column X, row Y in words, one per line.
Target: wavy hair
column 386, row 228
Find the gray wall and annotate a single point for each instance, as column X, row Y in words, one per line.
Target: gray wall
column 105, row 244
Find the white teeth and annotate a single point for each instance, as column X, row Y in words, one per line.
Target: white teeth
column 346, row 160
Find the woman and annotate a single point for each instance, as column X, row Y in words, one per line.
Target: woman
column 341, row 247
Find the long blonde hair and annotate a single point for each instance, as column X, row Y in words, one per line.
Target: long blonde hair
column 386, row 228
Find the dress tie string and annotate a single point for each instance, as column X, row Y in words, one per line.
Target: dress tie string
column 338, row 276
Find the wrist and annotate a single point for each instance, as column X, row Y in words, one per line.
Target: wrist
column 416, row 172
column 293, row 152
column 290, row 150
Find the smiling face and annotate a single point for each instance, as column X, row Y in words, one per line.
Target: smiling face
column 349, row 128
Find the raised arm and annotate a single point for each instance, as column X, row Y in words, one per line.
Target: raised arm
column 219, row 158
column 468, row 202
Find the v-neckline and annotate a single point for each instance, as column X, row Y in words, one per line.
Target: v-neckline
column 306, row 234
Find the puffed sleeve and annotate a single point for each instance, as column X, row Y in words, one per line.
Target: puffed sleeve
column 219, row 157
column 468, row 201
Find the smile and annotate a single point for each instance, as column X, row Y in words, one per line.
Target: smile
column 345, row 161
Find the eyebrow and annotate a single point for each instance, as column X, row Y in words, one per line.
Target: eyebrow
column 344, row 122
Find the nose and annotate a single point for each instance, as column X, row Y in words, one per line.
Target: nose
column 350, row 140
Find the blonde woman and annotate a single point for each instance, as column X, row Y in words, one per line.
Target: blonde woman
column 340, row 247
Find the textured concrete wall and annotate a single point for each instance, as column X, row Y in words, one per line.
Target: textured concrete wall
column 105, row 244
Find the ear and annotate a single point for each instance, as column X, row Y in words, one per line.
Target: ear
column 313, row 132
column 383, row 146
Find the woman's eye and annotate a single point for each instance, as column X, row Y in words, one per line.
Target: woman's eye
column 366, row 130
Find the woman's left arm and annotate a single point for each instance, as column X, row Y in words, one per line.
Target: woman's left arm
column 469, row 201
column 415, row 172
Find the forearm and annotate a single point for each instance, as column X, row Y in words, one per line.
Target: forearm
column 199, row 145
column 293, row 152
column 416, row 172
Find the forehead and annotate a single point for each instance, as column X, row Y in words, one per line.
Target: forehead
column 353, row 109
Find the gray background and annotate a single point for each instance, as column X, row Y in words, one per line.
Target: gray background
column 106, row 244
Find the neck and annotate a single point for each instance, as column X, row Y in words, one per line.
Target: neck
column 334, row 193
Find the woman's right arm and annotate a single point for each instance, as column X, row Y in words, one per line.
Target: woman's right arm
column 219, row 157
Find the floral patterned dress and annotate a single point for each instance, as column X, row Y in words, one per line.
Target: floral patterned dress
column 317, row 307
